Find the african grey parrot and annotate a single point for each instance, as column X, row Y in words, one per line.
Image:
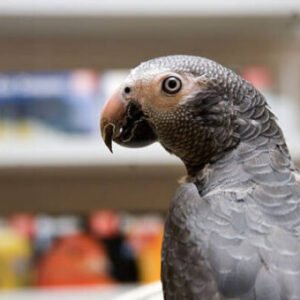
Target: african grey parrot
column 233, row 227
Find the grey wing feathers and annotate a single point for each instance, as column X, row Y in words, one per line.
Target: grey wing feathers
column 246, row 239
column 250, row 256
column 264, row 221
column 185, row 273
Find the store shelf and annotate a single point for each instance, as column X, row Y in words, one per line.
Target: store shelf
column 71, row 151
column 118, row 292
column 76, row 293
column 142, row 8
column 84, row 189
column 93, row 18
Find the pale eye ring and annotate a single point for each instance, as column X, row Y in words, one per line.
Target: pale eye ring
column 171, row 85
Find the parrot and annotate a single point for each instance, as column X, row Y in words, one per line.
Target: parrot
column 232, row 230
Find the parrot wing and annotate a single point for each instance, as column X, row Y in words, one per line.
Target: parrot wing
column 235, row 242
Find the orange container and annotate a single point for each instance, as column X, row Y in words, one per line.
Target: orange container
column 74, row 260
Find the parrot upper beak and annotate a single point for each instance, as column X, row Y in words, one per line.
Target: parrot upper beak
column 124, row 123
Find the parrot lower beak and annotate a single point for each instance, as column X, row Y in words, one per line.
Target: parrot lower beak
column 107, row 132
column 124, row 123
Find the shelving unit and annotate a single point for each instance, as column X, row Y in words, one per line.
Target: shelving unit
column 70, row 34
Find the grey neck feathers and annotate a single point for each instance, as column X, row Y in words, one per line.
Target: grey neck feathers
column 250, row 123
column 260, row 162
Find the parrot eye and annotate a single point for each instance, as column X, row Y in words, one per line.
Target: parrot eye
column 127, row 90
column 171, row 85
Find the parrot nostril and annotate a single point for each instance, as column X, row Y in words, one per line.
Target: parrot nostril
column 127, row 90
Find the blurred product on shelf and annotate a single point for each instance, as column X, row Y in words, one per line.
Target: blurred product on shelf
column 105, row 247
column 144, row 235
column 24, row 224
column 15, row 257
column 106, row 226
column 69, row 102
column 74, row 260
column 60, row 101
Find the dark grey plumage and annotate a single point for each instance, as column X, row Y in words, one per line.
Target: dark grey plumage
column 233, row 228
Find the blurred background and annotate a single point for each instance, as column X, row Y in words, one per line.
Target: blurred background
column 71, row 214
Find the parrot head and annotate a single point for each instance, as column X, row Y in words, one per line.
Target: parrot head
column 186, row 103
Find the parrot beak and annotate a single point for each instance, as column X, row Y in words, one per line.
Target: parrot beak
column 111, row 118
column 124, row 123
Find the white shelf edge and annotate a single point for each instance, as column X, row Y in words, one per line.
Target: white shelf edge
column 148, row 8
column 67, row 293
column 79, row 152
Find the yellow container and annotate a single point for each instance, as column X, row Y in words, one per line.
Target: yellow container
column 149, row 259
column 15, row 253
